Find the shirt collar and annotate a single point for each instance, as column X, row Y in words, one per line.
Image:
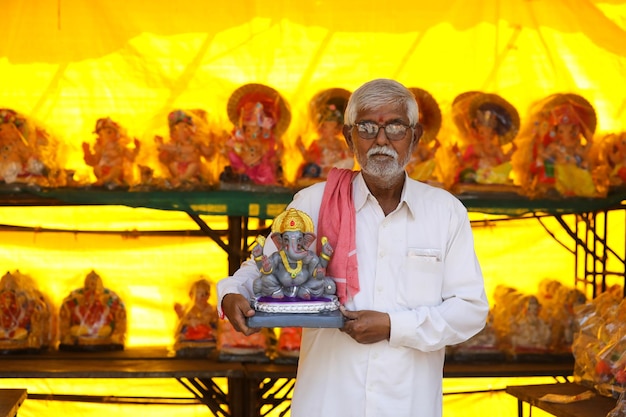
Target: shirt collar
column 361, row 193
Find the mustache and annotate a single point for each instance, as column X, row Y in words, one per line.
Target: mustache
column 382, row 150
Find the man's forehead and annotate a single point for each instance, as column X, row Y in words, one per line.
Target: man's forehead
column 382, row 113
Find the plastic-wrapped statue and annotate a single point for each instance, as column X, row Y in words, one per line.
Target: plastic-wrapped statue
column 487, row 125
column 23, row 158
column 423, row 165
column 260, row 116
column 557, row 157
column 189, row 149
column 111, row 157
column 197, row 325
column 483, row 345
column 329, row 148
column 25, row 317
column 92, row 318
column 531, row 333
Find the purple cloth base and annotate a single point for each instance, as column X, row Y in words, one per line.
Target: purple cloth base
column 268, row 299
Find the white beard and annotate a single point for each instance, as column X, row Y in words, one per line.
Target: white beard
column 386, row 169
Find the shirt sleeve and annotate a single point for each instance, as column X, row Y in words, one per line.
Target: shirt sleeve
column 464, row 307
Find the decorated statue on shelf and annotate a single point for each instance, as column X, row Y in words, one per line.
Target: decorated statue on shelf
column 197, row 325
column 235, row 346
column 92, row 318
column 260, row 116
column 487, row 125
column 189, row 149
column 25, row 318
column 329, row 149
column 288, row 345
column 111, row 157
column 423, row 166
column 557, row 157
column 530, row 332
column 610, row 160
column 24, row 158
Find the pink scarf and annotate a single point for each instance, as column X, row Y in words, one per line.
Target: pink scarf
column 337, row 221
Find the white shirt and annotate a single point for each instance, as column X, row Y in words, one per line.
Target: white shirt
column 418, row 265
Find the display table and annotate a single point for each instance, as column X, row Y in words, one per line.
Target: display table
column 598, row 406
column 272, row 384
column 196, row 374
column 10, row 401
column 251, row 386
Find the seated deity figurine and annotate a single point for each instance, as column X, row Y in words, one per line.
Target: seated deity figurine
column 235, row 346
column 294, row 271
column 25, row 317
column 197, row 325
column 530, row 333
column 189, row 149
column 111, row 158
column 260, row 116
column 423, row 165
column 329, row 149
column 612, row 157
column 292, row 279
column 558, row 161
column 92, row 318
column 487, row 125
column 22, row 151
column 288, row 345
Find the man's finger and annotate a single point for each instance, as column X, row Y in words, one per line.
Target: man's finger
column 350, row 315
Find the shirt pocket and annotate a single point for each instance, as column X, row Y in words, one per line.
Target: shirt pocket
column 421, row 285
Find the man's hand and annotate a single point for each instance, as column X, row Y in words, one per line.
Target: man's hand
column 366, row 326
column 237, row 308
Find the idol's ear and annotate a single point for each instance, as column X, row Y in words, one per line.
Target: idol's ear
column 307, row 239
column 277, row 238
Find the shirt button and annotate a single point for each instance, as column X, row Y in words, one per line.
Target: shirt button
column 381, row 254
column 379, row 289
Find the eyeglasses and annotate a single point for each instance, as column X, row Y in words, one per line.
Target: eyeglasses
column 393, row 130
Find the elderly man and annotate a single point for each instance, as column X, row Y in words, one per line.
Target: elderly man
column 405, row 267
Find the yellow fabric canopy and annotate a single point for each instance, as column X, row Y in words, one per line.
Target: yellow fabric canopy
column 68, row 62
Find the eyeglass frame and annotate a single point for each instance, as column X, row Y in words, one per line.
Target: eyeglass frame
column 384, row 127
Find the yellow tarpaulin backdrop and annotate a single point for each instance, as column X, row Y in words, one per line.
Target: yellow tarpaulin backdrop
column 66, row 63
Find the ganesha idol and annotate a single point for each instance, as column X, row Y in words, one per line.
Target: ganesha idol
column 110, row 156
column 25, row 320
column 92, row 318
column 486, row 125
column 197, row 322
column 328, row 149
column 260, row 116
column 558, row 161
column 292, row 289
column 28, row 155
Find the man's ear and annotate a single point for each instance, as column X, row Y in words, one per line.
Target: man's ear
column 418, row 132
column 347, row 133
